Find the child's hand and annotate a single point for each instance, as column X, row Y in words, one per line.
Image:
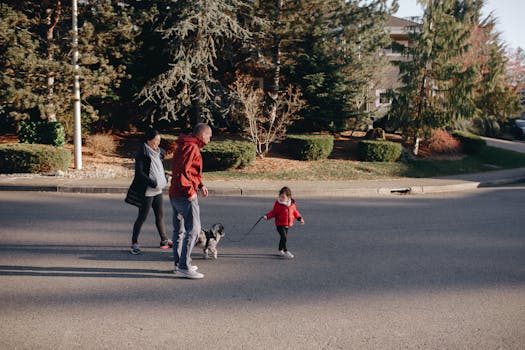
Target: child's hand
column 302, row 221
column 265, row 217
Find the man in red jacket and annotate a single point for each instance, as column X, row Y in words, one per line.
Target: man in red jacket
column 186, row 182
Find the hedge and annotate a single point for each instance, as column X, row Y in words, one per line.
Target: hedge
column 33, row 158
column 223, row 155
column 42, row 132
column 310, row 147
column 379, row 151
column 472, row 144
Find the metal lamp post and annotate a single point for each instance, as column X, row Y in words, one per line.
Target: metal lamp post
column 76, row 92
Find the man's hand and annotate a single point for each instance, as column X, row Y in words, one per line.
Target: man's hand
column 204, row 190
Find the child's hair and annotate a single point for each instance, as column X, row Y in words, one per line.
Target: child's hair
column 287, row 191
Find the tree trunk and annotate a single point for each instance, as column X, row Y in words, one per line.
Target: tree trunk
column 52, row 17
column 415, row 150
column 276, row 62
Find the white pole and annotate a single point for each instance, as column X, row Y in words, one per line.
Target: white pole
column 76, row 92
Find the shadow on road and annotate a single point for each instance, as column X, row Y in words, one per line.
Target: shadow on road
column 83, row 272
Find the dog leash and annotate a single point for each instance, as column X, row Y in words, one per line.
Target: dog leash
column 246, row 234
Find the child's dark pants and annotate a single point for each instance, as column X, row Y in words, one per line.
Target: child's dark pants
column 283, row 232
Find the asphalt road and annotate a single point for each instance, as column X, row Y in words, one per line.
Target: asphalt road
column 414, row 272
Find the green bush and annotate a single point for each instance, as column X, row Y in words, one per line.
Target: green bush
column 27, row 132
column 310, row 147
column 33, row 158
column 47, row 133
column 472, row 144
column 379, row 151
column 223, row 155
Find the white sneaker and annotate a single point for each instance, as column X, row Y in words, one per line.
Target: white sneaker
column 282, row 253
column 192, row 268
column 190, row 274
column 288, row 255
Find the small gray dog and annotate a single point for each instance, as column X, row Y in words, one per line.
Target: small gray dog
column 208, row 240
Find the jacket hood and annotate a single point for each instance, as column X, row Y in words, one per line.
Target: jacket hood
column 190, row 139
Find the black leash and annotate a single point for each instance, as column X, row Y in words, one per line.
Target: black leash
column 246, row 234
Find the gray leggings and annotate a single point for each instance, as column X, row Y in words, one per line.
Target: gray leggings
column 155, row 203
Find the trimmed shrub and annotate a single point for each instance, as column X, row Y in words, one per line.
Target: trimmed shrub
column 46, row 133
column 441, row 142
column 472, row 144
column 223, row 155
column 33, row 158
column 310, row 147
column 379, row 151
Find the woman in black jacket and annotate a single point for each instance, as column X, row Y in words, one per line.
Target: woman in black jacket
column 145, row 191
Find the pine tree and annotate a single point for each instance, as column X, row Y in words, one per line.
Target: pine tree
column 330, row 49
column 18, row 57
column 39, row 56
column 194, row 32
column 312, row 64
column 438, row 87
column 365, row 36
column 495, row 95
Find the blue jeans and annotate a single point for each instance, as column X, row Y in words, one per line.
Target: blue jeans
column 186, row 228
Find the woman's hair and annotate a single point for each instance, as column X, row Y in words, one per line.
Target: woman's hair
column 150, row 134
column 287, row 191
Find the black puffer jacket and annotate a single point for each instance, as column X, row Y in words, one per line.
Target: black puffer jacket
column 136, row 192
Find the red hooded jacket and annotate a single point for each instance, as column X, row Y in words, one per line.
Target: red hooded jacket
column 284, row 215
column 186, row 167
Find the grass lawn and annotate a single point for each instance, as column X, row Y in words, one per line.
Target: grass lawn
column 338, row 169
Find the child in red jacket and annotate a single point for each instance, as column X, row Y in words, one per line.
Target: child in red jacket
column 285, row 211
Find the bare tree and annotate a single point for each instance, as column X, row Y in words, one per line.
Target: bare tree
column 265, row 124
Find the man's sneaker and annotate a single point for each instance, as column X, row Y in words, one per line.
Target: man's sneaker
column 288, row 255
column 282, row 253
column 166, row 244
column 135, row 249
column 192, row 268
column 190, row 274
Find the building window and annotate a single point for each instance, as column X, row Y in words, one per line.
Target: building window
column 384, row 98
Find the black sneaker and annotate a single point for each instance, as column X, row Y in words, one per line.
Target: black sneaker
column 135, row 249
column 166, row 244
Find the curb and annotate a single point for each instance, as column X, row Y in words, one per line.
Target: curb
column 237, row 191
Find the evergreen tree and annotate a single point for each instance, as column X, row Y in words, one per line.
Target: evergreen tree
column 495, row 95
column 313, row 64
column 38, row 56
column 364, row 38
column 18, row 57
column 438, row 88
column 194, row 32
column 331, row 50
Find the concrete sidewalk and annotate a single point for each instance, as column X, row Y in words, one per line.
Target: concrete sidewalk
column 247, row 188
column 27, row 182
